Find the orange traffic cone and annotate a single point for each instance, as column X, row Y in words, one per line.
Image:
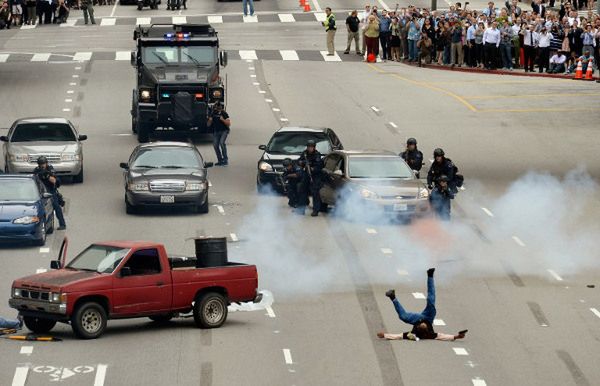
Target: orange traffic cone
column 307, row 7
column 579, row 71
column 302, row 3
column 588, row 73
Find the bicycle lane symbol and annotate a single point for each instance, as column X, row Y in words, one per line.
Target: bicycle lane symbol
column 59, row 374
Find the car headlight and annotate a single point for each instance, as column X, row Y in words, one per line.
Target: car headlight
column 57, row 297
column 26, row 220
column 145, row 95
column 366, row 193
column 69, row 157
column 18, row 157
column 265, row 166
column 424, row 193
column 138, row 186
column 16, row 292
column 196, row 186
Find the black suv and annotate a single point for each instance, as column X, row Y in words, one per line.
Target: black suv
column 290, row 142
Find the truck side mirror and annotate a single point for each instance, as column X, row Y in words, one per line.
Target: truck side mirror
column 133, row 59
column 124, row 165
column 223, row 58
column 55, row 264
column 125, row 271
column 4, row 138
column 82, row 137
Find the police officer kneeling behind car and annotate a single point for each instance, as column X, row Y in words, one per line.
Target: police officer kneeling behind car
column 413, row 156
column 45, row 173
column 440, row 198
column 312, row 182
column 443, row 166
column 292, row 176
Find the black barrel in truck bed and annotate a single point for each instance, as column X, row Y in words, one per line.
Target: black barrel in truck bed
column 211, row 252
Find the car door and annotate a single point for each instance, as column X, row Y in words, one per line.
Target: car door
column 327, row 190
column 146, row 289
column 46, row 202
column 335, row 141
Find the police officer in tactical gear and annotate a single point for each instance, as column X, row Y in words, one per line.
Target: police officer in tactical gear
column 292, row 175
column 313, row 167
column 442, row 166
column 440, row 198
column 221, row 123
column 45, row 172
column 413, row 156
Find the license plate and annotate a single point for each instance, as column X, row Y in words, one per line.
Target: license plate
column 400, row 207
column 167, row 199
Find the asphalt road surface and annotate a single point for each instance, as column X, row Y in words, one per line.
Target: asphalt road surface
column 513, row 265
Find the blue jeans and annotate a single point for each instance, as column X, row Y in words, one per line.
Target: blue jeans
column 412, row 49
column 7, row 323
column 428, row 313
column 219, row 138
column 506, row 51
column 245, row 4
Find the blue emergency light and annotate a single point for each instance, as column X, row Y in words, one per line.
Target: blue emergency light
column 164, row 95
column 178, row 36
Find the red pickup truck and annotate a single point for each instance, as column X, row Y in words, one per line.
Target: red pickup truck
column 130, row 279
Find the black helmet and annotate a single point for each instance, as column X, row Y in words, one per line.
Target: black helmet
column 42, row 160
column 411, row 141
column 311, row 142
column 443, row 178
column 438, row 152
column 287, row 162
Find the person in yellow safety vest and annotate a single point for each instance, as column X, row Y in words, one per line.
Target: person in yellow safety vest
column 330, row 28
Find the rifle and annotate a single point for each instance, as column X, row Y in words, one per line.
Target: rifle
column 307, row 167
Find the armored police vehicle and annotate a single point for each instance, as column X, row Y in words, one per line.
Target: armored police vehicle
column 178, row 78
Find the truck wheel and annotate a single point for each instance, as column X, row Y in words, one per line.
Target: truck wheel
column 39, row 325
column 143, row 133
column 210, row 310
column 140, row 6
column 89, row 321
column 42, row 240
column 164, row 318
column 50, row 228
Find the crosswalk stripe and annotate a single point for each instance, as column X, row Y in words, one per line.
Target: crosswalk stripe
column 250, row 19
column 143, row 20
column 40, row 57
column 286, row 18
column 289, row 55
column 334, row 58
column 69, row 23
column 82, row 56
column 122, row 55
column 28, row 26
column 179, row 20
column 4, row 58
column 215, row 19
column 248, row 55
column 108, row 21
column 320, row 16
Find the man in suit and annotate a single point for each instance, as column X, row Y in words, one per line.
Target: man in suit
column 539, row 8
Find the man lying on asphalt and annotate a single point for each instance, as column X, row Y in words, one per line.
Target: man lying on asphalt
column 422, row 322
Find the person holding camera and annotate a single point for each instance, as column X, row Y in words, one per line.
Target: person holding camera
column 45, row 172
column 220, row 122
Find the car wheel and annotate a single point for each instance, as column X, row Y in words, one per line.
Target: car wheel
column 78, row 179
column 89, row 321
column 42, row 240
column 129, row 209
column 204, row 207
column 210, row 310
column 139, row 7
column 50, row 228
column 39, row 325
column 163, row 318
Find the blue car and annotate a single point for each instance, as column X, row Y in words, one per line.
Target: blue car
column 26, row 212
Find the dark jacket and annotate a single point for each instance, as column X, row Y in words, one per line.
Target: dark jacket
column 44, row 176
column 414, row 159
column 429, row 334
column 314, row 161
column 446, row 167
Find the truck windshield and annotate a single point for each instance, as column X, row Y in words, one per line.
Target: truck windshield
column 203, row 55
column 99, row 258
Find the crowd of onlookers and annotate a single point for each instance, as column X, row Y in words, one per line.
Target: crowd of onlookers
column 549, row 37
column 31, row 12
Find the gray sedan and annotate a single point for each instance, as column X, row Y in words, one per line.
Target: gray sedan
column 166, row 174
column 373, row 183
column 55, row 138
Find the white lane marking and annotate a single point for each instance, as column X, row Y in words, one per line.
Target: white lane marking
column 179, row 20
column 262, row 92
column 284, row 119
column 478, row 382
column 121, row 134
column 439, row 322
column 74, row 76
column 334, row 58
column 20, row 376
column 386, row 251
column 371, row 231
column 581, row 301
column 276, row 109
column 70, row 92
column 41, row 270
column 69, row 23
column 248, row 55
column 374, row 108
column 393, row 125
column 518, row 241
column 487, row 211
column 555, row 275
column 4, row 58
column 28, row 26
column 100, row 375
column 82, row 56
column 595, row 311
column 122, row 55
column 142, row 20
column 26, row 350
column 256, row 83
column 252, row 75
column 72, row 84
column 286, row 18
column 460, row 351
column 249, row 61
column 107, row 21
column 209, row 183
column 112, row 13
column 251, row 68
column 40, row 57
column 318, row 9
column 402, row 272
column 215, row 19
column 268, row 100
column 270, row 311
column 44, row 250
column 250, row 19
column 78, row 68
column 233, row 237
column 287, row 355
column 289, row 55
column 66, row 110
column 220, row 209
column 418, row 295
column 384, row 5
